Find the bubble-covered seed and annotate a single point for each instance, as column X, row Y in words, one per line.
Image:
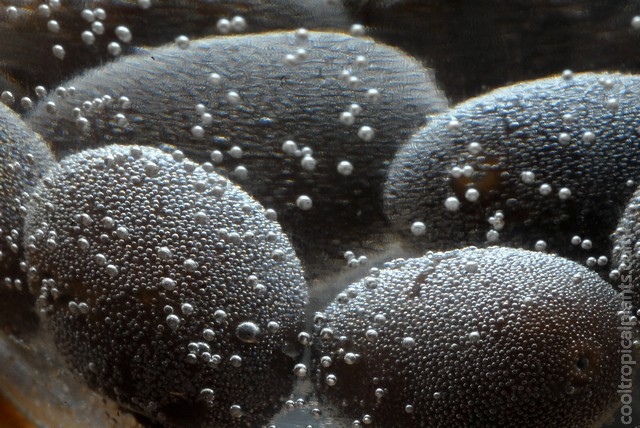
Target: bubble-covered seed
column 550, row 178
column 277, row 146
column 24, row 159
column 513, row 342
column 157, row 312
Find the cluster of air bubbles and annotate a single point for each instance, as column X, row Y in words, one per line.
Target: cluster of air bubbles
column 326, row 178
column 466, row 171
column 354, row 261
column 484, row 161
column 307, row 161
column 237, row 24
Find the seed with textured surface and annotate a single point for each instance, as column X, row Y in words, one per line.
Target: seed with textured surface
column 625, row 262
column 81, row 38
column 153, row 323
column 275, row 130
column 24, row 158
column 517, row 342
column 585, row 183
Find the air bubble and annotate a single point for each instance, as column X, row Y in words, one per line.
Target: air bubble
column 300, row 370
column 452, row 203
column 223, row 26
column 236, row 411
column 589, row 137
column 347, row 118
column 164, row 253
column 472, row 195
column 88, row 38
column 238, row 24
column 471, row 266
column 418, row 228
column 112, row 271
column 236, row 361
column 123, row 34
column 114, row 49
column 408, row 342
column 186, row 308
column 350, row 358
column 545, row 189
column 207, row 394
column 248, row 332
column 345, row 168
column 331, row 380
column 564, row 194
column 357, row 30
column 7, row 98
column 197, row 131
column 168, row 284
column 366, row 133
column 190, row 265
column 233, row 98
column 528, row 177
column 97, row 28
column 308, row 163
column 173, row 321
column 58, row 51
column 88, row 15
column 304, row 202
column 182, row 41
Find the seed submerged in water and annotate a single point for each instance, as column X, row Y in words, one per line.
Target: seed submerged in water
column 323, row 173
column 47, row 44
column 416, row 369
column 161, row 298
column 584, row 187
column 24, row 159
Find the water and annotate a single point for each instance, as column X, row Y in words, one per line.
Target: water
column 168, row 288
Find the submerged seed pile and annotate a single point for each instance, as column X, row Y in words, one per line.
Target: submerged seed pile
column 495, row 337
column 165, row 286
column 306, row 122
column 24, row 158
column 547, row 165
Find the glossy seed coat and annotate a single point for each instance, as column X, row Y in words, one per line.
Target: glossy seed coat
column 625, row 257
column 475, row 337
column 159, row 280
column 48, row 42
column 551, row 160
column 24, row 158
column 278, row 130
